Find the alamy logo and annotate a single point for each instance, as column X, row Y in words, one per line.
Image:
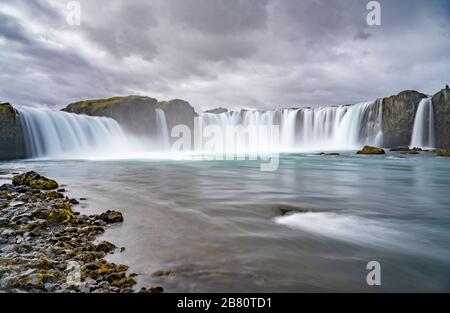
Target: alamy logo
column 73, row 16
column 374, row 276
column 374, row 16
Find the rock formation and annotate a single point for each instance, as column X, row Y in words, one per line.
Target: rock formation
column 137, row 114
column 371, row 150
column 11, row 138
column 398, row 117
column 441, row 106
column 217, row 110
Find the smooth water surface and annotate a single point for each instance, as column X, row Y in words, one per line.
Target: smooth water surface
column 221, row 225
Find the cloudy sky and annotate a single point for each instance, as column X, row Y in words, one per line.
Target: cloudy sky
column 232, row 53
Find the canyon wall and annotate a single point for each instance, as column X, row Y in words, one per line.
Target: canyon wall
column 398, row 117
column 11, row 137
column 137, row 114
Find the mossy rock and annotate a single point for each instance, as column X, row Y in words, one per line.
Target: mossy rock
column 111, row 216
column 105, row 246
column 443, row 152
column 53, row 195
column 38, row 280
column 34, row 180
column 6, row 195
column 125, row 282
column 62, row 214
column 161, row 273
column 155, row 289
column 106, row 269
column 371, row 150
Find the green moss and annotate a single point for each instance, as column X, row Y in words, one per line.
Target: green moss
column 106, row 269
column 125, row 282
column 63, row 214
column 443, row 152
column 4, row 262
column 371, row 150
column 53, row 195
column 94, row 106
column 105, row 246
column 6, row 108
column 7, row 195
column 34, row 180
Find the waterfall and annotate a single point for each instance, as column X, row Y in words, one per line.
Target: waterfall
column 56, row 134
column 423, row 130
column 163, row 138
column 344, row 127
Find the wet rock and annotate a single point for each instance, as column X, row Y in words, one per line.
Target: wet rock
column 8, row 187
column 125, row 282
column 74, row 201
column 443, row 152
column 161, row 273
column 105, row 246
column 53, row 195
column 371, row 150
column 47, row 247
column 111, row 216
column 400, row 149
column 156, row 289
column 3, row 222
column 16, row 204
column 34, row 180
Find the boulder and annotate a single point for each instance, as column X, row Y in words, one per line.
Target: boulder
column 105, row 246
column 443, row 152
column 34, row 180
column 111, row 216
column 371, row 150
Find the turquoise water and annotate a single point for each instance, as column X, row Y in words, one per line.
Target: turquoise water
column 218, row 225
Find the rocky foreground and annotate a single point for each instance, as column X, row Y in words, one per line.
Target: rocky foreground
column 45, row 246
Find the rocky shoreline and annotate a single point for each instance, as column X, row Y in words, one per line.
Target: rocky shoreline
column 46, row 246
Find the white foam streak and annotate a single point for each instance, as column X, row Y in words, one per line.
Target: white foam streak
column 369, row 232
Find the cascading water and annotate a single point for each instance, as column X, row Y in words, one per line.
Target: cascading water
column 423, row 130
column 163, row 138
column 309, row 129
column 56, row 134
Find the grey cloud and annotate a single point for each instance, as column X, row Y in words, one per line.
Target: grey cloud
column 219, row 17
column 362, row 36
column 235, row 53
column 11, row 29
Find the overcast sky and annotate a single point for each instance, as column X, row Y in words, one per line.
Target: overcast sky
column 248, row 53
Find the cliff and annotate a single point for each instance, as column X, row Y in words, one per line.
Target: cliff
column 11, row 137
column 441, row 106
column 217, row 111
column 398, row 117
column 137, row 114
